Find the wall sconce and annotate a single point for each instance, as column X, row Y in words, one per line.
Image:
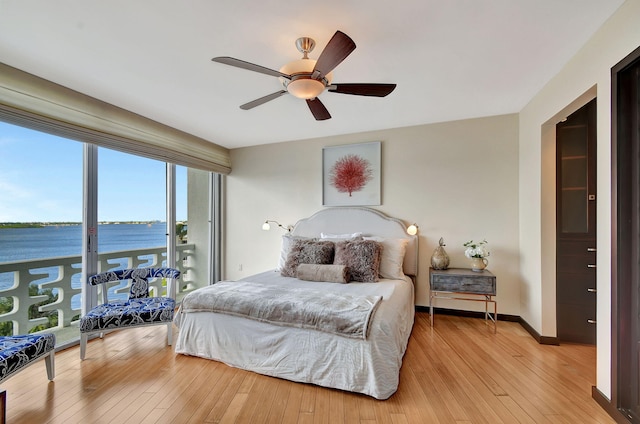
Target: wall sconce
column 412, row 229
column 266, row 226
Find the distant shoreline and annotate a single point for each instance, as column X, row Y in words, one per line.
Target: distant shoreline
column 67, row 224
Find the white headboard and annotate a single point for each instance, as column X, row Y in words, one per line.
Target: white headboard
column 369, row 222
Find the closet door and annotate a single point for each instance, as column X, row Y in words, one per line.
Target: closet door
column 626, row 249
column 576, row 226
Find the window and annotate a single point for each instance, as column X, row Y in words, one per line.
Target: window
column 132, row 229
column 40, row 229
column 42, row 180
column 32, row 102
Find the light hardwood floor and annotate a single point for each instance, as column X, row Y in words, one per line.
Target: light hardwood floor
column 459, row 372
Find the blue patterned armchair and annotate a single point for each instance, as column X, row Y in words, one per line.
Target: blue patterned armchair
column 18, row 352
column 138, row 310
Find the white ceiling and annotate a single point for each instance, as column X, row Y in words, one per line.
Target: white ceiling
column 452, row 59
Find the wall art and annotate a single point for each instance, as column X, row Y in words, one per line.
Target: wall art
column 351, row 175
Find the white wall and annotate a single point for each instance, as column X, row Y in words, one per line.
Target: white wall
column 198, row 230
column 457, row 180
column 590, row 67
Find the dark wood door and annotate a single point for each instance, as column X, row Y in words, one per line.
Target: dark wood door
column 627, row 233
column 576, row 226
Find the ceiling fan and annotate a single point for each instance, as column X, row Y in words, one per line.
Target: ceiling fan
column 307, row 78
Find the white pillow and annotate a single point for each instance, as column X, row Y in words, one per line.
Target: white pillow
column 287, row 241
column 340, row 236
column 393, row 251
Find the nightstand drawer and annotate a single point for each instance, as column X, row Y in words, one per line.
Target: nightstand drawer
column 464, row 282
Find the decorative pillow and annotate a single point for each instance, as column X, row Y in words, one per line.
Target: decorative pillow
column 328, row 273
column 287, row 240
column 361, row 256
column 392, row 259
column 307, row 252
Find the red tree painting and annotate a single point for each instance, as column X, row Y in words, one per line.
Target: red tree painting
column 350, row 173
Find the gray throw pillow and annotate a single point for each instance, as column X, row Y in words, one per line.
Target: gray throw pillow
column 307, row 252
column 326, row 273
column 362, row 257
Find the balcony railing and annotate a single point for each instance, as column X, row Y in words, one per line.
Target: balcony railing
column 62, row 275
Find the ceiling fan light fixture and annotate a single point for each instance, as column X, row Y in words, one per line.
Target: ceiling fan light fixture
column 305, row 88
column 302, row 85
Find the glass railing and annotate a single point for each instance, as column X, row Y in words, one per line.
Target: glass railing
column 45, row 294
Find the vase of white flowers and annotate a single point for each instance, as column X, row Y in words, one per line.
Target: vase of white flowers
column 477, row 252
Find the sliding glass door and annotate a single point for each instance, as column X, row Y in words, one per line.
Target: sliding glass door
column 132, row 230
column 40, row 231
column 70, row 209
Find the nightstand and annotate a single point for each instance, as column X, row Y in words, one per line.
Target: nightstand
column 464, row 284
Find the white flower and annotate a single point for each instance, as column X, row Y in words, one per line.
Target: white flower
column 476, row 249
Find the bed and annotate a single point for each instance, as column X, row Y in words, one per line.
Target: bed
column 367, row 358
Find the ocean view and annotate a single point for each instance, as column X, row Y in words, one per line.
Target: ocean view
column 18, row 244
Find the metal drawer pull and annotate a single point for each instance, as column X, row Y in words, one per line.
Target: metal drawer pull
column 591, row 249
column 591, row 266
column 591, row 321
column 590, row 290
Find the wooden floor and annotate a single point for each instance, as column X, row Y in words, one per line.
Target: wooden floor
column 459, row 372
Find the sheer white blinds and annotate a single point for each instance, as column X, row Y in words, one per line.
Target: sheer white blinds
column 33, row 102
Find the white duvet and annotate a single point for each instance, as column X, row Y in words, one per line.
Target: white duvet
column 369, row 366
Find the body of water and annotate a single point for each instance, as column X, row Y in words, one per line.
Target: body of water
column 17, row 244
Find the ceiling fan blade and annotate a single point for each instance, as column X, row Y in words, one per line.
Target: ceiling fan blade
column 262, row 100
column 337, row 49
column 375, row 90
column 226, row 60
column 318, row 109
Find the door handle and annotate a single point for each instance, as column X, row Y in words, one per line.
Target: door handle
column 591, row 290
column 591, row 321
column 591, row 266
column 591, row 249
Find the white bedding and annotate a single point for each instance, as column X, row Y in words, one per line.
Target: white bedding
column 369, row 366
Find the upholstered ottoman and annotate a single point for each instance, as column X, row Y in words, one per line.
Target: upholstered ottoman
column 18, row 352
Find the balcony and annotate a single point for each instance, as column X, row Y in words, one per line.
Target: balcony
column 61, row 277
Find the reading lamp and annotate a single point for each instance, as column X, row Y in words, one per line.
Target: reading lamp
column 412, row 229
column 266, row 226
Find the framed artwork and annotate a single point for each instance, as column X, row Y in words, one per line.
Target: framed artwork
column 351, row 175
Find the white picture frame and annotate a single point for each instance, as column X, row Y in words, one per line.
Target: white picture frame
column 351, row 175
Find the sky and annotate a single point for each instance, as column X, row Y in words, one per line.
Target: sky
column 41, row 181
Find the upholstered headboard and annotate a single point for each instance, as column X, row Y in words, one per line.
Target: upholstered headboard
column 369, row 222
